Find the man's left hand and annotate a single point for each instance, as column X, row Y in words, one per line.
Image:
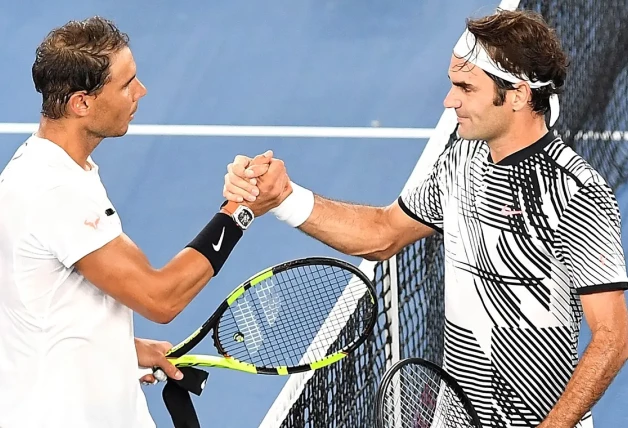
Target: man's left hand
column 152, row 353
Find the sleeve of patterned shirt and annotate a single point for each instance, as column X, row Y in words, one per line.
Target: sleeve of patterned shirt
column 589, row 241
column 424, row 202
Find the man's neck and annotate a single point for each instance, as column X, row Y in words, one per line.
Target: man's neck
column 519, row 136
column 74, row 140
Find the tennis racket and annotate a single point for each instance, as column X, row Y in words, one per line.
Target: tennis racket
column 297, row 316
column 416, row 393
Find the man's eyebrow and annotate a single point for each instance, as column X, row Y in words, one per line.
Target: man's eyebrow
column 463, row 85
column 130, row 80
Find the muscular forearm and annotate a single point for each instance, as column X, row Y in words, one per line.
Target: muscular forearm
column 183, row 278
column 601, row 361
column 188, row 272
column 157, row 294
column 357, row 230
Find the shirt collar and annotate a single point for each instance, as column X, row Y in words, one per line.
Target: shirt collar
column 54, row 154
column 526, row 152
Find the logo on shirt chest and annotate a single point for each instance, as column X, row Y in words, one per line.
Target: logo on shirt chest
column 509, row 212
column 92, row 222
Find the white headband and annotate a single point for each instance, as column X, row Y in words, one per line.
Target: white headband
column 468, row 48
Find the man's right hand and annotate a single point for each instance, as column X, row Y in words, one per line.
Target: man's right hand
column 261, row 183
column 241, row 178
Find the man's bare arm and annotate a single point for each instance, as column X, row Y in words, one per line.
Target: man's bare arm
column 374, row 233
column 121, row 269
column 607, row 317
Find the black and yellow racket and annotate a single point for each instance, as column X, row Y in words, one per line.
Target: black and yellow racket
column 286, row 319
column 416, row 393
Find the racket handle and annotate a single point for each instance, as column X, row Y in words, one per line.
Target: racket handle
column 157, row 372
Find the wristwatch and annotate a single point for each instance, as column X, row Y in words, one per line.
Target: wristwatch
column 241, row 214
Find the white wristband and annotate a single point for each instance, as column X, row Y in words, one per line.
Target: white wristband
column 297, row 207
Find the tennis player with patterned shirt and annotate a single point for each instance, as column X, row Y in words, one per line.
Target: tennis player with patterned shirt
column 70, row 278
column 531, row 232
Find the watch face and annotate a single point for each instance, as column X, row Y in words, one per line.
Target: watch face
column 245, row 217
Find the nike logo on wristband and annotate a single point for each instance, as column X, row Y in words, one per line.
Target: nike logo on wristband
column 219, row 243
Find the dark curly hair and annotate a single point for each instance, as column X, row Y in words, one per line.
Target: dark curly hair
column 72, row 58
column 522, row 43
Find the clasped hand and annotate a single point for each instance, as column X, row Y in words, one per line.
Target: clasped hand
column 261, row 183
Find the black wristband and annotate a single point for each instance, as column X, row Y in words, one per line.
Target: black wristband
column 217, row 239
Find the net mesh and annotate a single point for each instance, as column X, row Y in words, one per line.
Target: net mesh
column 593, row 120
column 594, row 114
column 421, row 274
column 341, row 394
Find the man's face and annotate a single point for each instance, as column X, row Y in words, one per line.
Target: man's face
column 114, row 106
column 472, row 95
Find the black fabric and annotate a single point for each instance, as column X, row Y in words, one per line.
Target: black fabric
column 409, row 212
column 217, row 240
column 176, row 395
column 528, row 151
column 602, row 288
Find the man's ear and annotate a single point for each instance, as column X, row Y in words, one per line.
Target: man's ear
column 79, row 104
column 520, row 97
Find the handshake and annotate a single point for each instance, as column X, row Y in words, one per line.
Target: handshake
column 262, row 184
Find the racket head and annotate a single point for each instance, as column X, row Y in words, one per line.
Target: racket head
column 286, row 319
column 416, row 393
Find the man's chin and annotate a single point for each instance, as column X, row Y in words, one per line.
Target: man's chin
column 465, row 133
column 120, row 132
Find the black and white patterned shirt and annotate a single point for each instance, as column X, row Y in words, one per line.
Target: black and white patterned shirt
column 524, row 238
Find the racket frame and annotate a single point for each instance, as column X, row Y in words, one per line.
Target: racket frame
column 179, row 356
column 380, row 396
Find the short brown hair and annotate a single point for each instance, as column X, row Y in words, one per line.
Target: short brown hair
column 522, row 43
column 72, row 58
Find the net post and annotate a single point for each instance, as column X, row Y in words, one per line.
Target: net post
column 395, row 331
column 390, row 284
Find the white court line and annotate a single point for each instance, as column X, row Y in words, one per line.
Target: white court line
column 251, row 131
column 298, row 131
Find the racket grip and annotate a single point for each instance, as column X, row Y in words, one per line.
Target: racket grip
column 157, row 372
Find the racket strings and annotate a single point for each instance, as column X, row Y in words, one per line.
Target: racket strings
column 418, row 397
column 295, row 316
column 293, row 329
